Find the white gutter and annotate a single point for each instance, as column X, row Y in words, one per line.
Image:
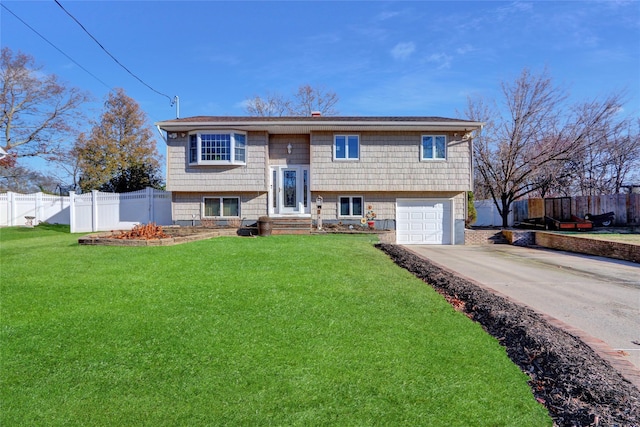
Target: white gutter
column 312, row 123
column 164, row 138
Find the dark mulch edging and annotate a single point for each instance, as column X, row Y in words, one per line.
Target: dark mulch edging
column 577, row 386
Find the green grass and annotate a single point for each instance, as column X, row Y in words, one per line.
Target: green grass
column 284, row 330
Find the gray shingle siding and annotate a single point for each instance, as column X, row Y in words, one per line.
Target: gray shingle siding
column 181, row 176
column 389, row 161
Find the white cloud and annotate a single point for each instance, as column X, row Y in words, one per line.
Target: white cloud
column 383, row 16
column 441, row 59
column 403, row 50
column 465, row 49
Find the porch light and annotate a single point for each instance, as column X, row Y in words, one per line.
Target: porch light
column 289, row 148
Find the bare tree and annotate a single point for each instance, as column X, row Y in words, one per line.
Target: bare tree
column 624, row 152
column 22, row 180
column 309, row 99
column 271, row 105
column 527, row 146
column 305, row 101
column 609, row 159
column 38, row 112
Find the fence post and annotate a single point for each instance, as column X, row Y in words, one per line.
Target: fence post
column 11, row 201
column 38, row 210
column 94, row 210
column 72, row 211
column 150, row 212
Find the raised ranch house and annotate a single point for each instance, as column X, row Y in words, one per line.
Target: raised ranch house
column 412, row 171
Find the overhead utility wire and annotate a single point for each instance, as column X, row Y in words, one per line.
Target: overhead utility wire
column 172, row 100
column 54, row 46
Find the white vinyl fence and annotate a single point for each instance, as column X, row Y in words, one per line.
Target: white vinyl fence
column 95, row 211
column 15, row 207
column 488, row 215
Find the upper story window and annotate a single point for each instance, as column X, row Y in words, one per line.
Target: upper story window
column 217, row 148
column 434, row 147
column 346, row 147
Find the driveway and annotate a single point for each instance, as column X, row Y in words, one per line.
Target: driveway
column 594, row 297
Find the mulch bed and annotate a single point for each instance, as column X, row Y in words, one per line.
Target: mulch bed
column 577, row 386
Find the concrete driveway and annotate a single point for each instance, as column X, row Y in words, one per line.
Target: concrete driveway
column 595, row 298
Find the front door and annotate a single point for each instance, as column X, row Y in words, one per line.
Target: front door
column 289, row 191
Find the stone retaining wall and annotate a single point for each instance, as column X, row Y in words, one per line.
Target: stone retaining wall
column 584, row 245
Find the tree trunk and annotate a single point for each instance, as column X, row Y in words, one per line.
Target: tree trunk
column 506, row 206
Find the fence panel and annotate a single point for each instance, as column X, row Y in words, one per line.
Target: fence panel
column 633, row 208
column 162, row 207
column 488, row 215
column 626, row 208
column 54, row 209
column 81, row 212
column 4, row 209
column 120, row 211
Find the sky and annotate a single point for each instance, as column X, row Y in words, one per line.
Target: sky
column 382, row 58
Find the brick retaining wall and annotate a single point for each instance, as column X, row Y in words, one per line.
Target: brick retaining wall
column 483, row 237
column 563, row 242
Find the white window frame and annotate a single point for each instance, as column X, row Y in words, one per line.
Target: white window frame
column 433, row 147
column 233, row 147
column 346, row 148
column 221, row 199
column 351, row 215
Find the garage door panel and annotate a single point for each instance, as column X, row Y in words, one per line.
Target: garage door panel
column 423, row 221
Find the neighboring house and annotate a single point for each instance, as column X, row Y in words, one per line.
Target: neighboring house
column 413, row 171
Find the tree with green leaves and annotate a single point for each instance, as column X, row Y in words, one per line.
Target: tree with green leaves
column 120, row 153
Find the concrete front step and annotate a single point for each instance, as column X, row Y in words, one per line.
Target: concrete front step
column 290, row 225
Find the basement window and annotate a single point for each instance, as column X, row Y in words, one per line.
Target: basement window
column 216, row 207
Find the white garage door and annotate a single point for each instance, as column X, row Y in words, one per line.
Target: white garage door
column 424, row 221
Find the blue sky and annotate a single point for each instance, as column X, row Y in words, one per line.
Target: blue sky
column 381, row 58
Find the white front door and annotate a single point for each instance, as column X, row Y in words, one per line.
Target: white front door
column 289, row 191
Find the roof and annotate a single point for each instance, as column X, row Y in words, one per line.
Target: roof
column 321, row 123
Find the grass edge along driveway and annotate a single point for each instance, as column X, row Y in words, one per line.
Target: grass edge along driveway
column 284, row 330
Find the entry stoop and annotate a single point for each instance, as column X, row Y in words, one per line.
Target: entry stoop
column 291, row 225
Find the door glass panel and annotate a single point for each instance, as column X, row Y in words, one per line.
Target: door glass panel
column 305, row 186
column 289, row 188
column 274, row 188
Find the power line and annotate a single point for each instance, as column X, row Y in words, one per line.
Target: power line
column 113, row 57
column 54, row 46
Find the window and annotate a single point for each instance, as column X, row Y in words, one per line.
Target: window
column 217, row 148
column 346, row 147
column 433, row 147
column 221, row 207
column 350, row 206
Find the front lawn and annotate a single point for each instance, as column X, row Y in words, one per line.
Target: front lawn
column 283, row 330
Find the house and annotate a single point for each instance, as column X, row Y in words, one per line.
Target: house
column 412, row 171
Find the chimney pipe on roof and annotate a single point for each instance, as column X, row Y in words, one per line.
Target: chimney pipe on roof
column 316, row 114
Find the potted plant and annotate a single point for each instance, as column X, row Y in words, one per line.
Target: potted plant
column 370, row 216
